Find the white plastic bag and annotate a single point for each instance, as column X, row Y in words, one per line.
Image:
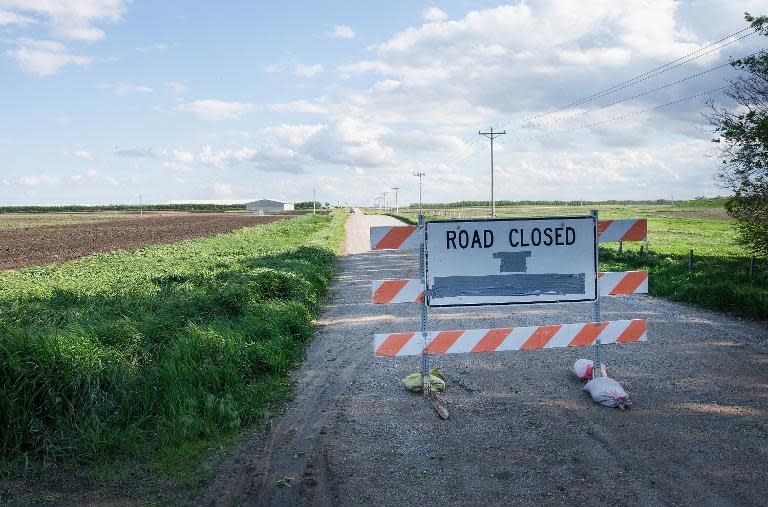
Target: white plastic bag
column 608, row 392
column 583, row 369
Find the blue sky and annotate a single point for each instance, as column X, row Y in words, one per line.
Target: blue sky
column 104, row 100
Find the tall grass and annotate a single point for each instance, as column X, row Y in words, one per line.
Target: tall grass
column 129, row 351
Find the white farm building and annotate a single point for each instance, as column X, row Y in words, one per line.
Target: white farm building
column 263, row 205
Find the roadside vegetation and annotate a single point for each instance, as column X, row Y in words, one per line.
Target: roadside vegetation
column 130, row 353
column 718, row 279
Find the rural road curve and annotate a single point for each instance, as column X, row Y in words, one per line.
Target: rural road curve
column 521, row 429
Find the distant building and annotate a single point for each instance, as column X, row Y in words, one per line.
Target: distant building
column 266, row 205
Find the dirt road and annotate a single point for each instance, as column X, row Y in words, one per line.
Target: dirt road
column 521, row 429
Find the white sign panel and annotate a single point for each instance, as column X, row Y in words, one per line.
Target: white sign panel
column 511, row 261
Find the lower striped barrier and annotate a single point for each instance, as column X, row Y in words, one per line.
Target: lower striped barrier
column 409, row 290
column 514, row 338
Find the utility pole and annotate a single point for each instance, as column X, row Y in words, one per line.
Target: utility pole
column 397, row 208
column 420, row 175
column 385, row 202
column 314, row 200
column 141, row 206
column 492, row 135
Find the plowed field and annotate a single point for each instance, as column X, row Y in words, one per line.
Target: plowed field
column 36, row 246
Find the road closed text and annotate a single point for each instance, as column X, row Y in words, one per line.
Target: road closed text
column 517, row 237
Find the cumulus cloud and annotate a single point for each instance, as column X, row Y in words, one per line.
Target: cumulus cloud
column 34, row 180
column 12, row 18
column 44, row 57
column 433, row 14
column 176, row 87
column 72, row 19
column 222, row 189
column 81, row 154
column 158, row 46
column 125, row 88
column 94, row 176
column 217, row 110
column 341, row 32
column 307, row 70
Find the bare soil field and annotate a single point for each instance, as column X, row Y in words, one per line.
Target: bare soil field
column 36, row 246
column 521, row 431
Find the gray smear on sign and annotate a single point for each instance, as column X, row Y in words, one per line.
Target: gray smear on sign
column 515, row 262
column 509, row 285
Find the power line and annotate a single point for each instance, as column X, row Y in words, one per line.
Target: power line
column 588, row 111
column 642, row 77
column 622, row 117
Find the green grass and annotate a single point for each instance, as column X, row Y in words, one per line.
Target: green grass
column 718, row 280
column 137, row 352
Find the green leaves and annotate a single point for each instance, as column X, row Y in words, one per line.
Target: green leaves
column 138, row 350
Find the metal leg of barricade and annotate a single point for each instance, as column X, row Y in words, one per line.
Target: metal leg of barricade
column 596, row 304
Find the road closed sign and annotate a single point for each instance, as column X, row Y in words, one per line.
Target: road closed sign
column 511, row 261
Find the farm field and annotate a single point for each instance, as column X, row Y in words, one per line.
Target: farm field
column 718, row 279
column 16, row 220
column 159, row 352
column 45, row 244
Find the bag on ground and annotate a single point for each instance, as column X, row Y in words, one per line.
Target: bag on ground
column 608, row 392
column 583, row 369
column 413, row 381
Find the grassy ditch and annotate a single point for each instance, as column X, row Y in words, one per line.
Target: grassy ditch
column 718, row 279
column 131, row 352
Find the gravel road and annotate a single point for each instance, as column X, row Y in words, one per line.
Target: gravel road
column 521, row 429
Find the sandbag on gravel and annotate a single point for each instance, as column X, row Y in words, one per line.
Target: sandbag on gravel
column 608, row 392
column 413, row 381
column 583, row 369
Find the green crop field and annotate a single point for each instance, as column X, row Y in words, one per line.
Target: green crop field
column 133, row 352
column 719, row 277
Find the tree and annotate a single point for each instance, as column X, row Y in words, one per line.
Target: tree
column 742, row 138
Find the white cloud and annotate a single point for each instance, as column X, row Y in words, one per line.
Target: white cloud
column 222, row 189
column 34, row 180
column 342, row 32
column 72, row 19
column 307, row 70
column 12, row 18
column 94, row 176
column 433, row 14
column 44, row 57
column 125, row 88
column 158, row 46
column 81, row 154
column 216, row 110
column 301, row 106
column 176, row 87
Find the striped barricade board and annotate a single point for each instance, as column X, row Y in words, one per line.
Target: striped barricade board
column 514, row 338
column 411, row 290
column 405, row 237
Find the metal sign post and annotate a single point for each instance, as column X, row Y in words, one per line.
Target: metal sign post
column 426, row 385
column 596, row 306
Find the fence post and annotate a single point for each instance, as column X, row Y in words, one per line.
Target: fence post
column 690, row 259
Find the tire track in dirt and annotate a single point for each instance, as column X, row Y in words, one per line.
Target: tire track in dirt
column 287, row 465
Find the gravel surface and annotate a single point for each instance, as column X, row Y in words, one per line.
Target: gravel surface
column 521, row 430
column 36, row 246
